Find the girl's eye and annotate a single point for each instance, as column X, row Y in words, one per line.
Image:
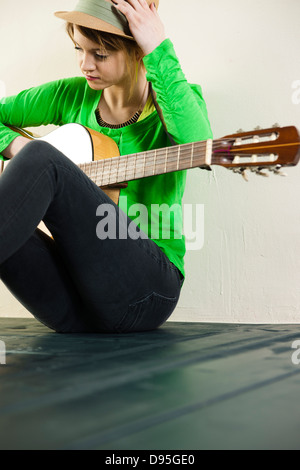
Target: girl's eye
column 101, row 57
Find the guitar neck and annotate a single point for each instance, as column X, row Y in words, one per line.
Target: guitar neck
column 151, row 163
column 258, row 150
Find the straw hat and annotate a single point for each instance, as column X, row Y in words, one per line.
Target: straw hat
column 100, row 15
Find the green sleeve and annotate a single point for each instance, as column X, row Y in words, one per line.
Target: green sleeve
column 43, row 105
column 184, row 109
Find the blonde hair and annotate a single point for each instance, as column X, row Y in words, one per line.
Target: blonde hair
column 112, row 42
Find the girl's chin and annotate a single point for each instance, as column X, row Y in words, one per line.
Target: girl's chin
column 96, row 85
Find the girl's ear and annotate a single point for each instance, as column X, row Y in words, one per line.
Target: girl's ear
column 138, row 56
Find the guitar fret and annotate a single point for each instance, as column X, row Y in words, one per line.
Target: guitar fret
column 135, row 165
column 100, row 171
column 110, row 170
column 106, row 173
column 126, row 163
column 208, row 155
column 166, row 160
column 139, row 167
column 192, row 156
column 89, row 170
column 113, row 171
column 118, row 166
column 121, row 171
column 144, row 162
column 92, row 171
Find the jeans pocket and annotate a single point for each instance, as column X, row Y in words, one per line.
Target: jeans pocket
column 147, row 314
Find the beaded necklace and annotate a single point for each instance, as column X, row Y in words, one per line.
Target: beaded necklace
column 132, row 120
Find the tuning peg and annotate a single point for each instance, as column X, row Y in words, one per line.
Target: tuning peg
column 280, row 173
column 244, row 175
column 277, row 171
column 239, row 131
column 261, row 173
column 241, row 171
column 257, row 128
column 276, row 125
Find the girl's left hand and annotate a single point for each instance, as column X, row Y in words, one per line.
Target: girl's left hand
column 144, row 22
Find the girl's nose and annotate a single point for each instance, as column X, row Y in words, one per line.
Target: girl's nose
column 87, row 63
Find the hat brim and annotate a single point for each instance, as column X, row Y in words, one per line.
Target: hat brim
column 88, row 21
column 92, row 22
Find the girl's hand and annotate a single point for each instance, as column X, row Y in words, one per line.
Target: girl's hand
column 16, row 145
column 144, row 22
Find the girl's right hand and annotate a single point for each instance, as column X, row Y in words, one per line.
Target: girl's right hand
column 144, row 23
column 15, row 146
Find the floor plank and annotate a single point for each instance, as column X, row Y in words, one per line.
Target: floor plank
column 186, row 386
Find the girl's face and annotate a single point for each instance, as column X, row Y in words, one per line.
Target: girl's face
column 102, row 69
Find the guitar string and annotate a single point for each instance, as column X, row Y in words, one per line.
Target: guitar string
column 146, row 167
column 166, row 159
column 134, row 169
column 152, row 157
column 171, row 150
column 170, row 157
column 225, row 152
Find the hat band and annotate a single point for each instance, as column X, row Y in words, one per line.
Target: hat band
column 103, row 10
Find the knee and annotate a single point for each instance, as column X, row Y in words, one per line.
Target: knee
column 37, row 154
column 37, row 148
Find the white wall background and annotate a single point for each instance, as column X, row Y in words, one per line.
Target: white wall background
column 245, row 54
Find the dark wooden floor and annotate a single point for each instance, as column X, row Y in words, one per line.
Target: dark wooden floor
column 184, row 387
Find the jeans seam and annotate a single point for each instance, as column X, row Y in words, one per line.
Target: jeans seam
column 146, row 298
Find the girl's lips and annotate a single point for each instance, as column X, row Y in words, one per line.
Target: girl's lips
column 88, row 77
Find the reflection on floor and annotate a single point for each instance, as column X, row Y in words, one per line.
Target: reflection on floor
column 186, row 386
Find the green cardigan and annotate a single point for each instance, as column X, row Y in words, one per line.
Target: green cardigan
column 73, row 101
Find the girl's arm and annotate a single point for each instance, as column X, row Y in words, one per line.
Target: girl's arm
column 183, row 107
column 42, row 105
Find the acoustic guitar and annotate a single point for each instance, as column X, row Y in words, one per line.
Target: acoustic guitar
column 99, row 157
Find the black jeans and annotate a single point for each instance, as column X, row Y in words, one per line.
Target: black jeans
column 77, row 282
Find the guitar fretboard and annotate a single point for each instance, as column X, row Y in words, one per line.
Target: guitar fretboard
column 150, row 163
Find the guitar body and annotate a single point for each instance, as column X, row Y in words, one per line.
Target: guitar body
column 81, row 145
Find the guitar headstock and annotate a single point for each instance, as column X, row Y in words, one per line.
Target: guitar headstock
column 258, row 150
